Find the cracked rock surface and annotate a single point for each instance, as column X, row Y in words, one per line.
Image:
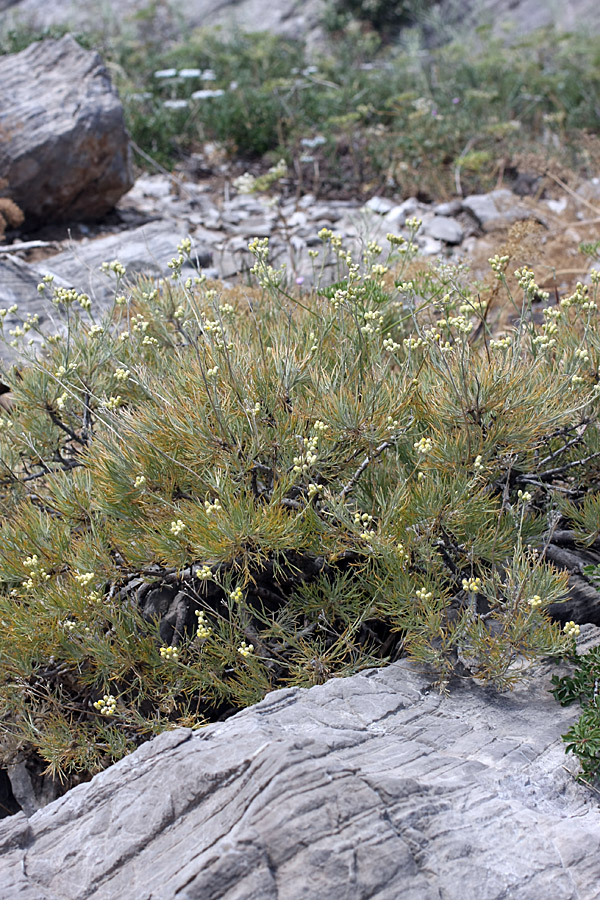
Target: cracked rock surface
column 375, row 786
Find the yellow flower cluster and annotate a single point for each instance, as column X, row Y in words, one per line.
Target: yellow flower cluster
column 36, row 573
column 115, row 266
column 204, row 629
column 571, row 629
column 424, row 445
column 107, row 706
column 471, row 585
column 84, row 578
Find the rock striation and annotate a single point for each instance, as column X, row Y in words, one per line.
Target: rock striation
column 64, row 148
column 376, row 786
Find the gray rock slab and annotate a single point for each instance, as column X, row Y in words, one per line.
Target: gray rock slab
column 496, row 210
column 146, row 250
column 483, row 206
column 64, row 149
column 18, row 287
column 375, row 786
column 443, row 228
column 298, row 18
column 516, row 17
column 429, row 246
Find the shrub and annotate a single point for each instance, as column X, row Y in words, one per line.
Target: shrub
column 208, row 494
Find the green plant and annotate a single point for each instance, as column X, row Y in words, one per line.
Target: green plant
column 394, row 118
column 207, row 494
column 583, row 738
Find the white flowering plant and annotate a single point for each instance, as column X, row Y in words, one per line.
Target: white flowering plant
column 280, row 496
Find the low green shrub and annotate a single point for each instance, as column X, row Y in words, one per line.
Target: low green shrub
column 372, row 119
column 208, row 493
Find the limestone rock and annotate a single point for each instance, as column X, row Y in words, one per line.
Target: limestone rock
column 496, row 210
column 145, row 250
column 450, row 208
column 18, row 287
column 63, row 145
column 373, row 786
column 526, row 15
column 379, row 205
column 397, row 216
column 443, row 228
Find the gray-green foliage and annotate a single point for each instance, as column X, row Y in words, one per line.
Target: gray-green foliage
column 209, row 493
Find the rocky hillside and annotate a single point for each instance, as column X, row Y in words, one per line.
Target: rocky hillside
column 300, row 18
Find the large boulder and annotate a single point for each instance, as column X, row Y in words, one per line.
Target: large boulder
column 64, row 149
column 375, row 786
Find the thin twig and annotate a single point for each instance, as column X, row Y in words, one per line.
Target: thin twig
column 573, row 193
column 66, row 467
column 555, row 453
column 559, row 470
column 25, row 245
column 377, row 452
column 60, row 424
column 529, row 479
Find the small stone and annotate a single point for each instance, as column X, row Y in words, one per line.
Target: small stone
column 496, row 210
column 398, row 215
column 451, row 208
column 306, row 201
column 444, row 229
column 297, row 219
column 429, row 246
column 482, row 206
column 557, row 206
column 379, row 205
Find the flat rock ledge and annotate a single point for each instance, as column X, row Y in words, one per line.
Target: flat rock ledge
column 375, row 786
